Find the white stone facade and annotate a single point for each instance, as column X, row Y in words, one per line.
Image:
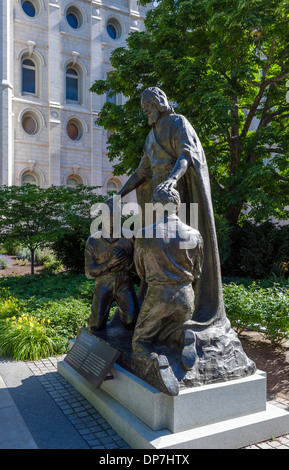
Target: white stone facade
column 47, row 155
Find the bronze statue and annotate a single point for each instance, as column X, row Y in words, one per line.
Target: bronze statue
column 182, row 336
column 110, row 261
column 168, row 257
column 174, row 158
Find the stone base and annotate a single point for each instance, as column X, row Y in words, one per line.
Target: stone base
column 219, row 357
column 226, row 415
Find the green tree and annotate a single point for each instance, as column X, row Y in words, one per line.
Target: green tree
column 75, row 227
column 36, row 217
column 27, row 216
column 225, row 65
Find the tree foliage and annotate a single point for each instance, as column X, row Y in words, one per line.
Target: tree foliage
column 224, row 65
column 36, row 217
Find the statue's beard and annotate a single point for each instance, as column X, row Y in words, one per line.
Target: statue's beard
column 153, row 118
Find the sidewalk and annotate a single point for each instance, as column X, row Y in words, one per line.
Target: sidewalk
column 40, row 410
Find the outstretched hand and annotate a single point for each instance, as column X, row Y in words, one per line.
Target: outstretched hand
column 167, row 185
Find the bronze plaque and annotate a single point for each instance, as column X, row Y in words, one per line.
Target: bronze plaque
column 92, row 358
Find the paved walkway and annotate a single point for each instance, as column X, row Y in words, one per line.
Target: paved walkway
column 39, row 409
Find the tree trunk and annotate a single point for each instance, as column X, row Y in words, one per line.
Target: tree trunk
column 32, row 251
column 233, row 213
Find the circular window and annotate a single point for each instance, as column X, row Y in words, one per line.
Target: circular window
column 31, row 121
column 29, row 8
column 74, row 130
column 113, row 28
column 74, row 17
column 29, row 124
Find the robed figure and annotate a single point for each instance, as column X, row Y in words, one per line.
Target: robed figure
column 174, row 157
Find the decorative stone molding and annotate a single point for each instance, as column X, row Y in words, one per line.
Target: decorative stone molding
column 31, row 165
column 31, row 47
column 75, row 57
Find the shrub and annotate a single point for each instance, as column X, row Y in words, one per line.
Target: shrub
column 10, row 247
column 25, row 338
column 258, row 251
column 275, row 313
column 52, row 266
column 5, row 261
column 261, row 309
column 23, row 253
column 65, row 317
column 46, row 254
column 70, row 247
column 239, row 306
column 63, row 299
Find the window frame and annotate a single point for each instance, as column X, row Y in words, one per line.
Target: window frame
column 37, row 116
column 38, row 8
column 28, row 67
column 117, row 26
column 75, row 77
column 81, row 127
column 34, row 6
column 110, row 190
column 76, row 11
column 29, row 173
column 74, row 177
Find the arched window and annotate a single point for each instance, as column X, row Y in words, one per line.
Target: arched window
column 111, row 187
column 28, row 76
column 29, row 178
column 73, row 181
column 72, row 84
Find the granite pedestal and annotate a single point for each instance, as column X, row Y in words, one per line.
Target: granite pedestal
column 226, row 415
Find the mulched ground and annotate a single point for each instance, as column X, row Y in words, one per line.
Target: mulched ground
column 19, row 269
column 273, row 360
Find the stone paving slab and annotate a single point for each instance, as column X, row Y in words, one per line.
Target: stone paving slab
column 92, row 427
column 281, row 442
column 14, row 433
